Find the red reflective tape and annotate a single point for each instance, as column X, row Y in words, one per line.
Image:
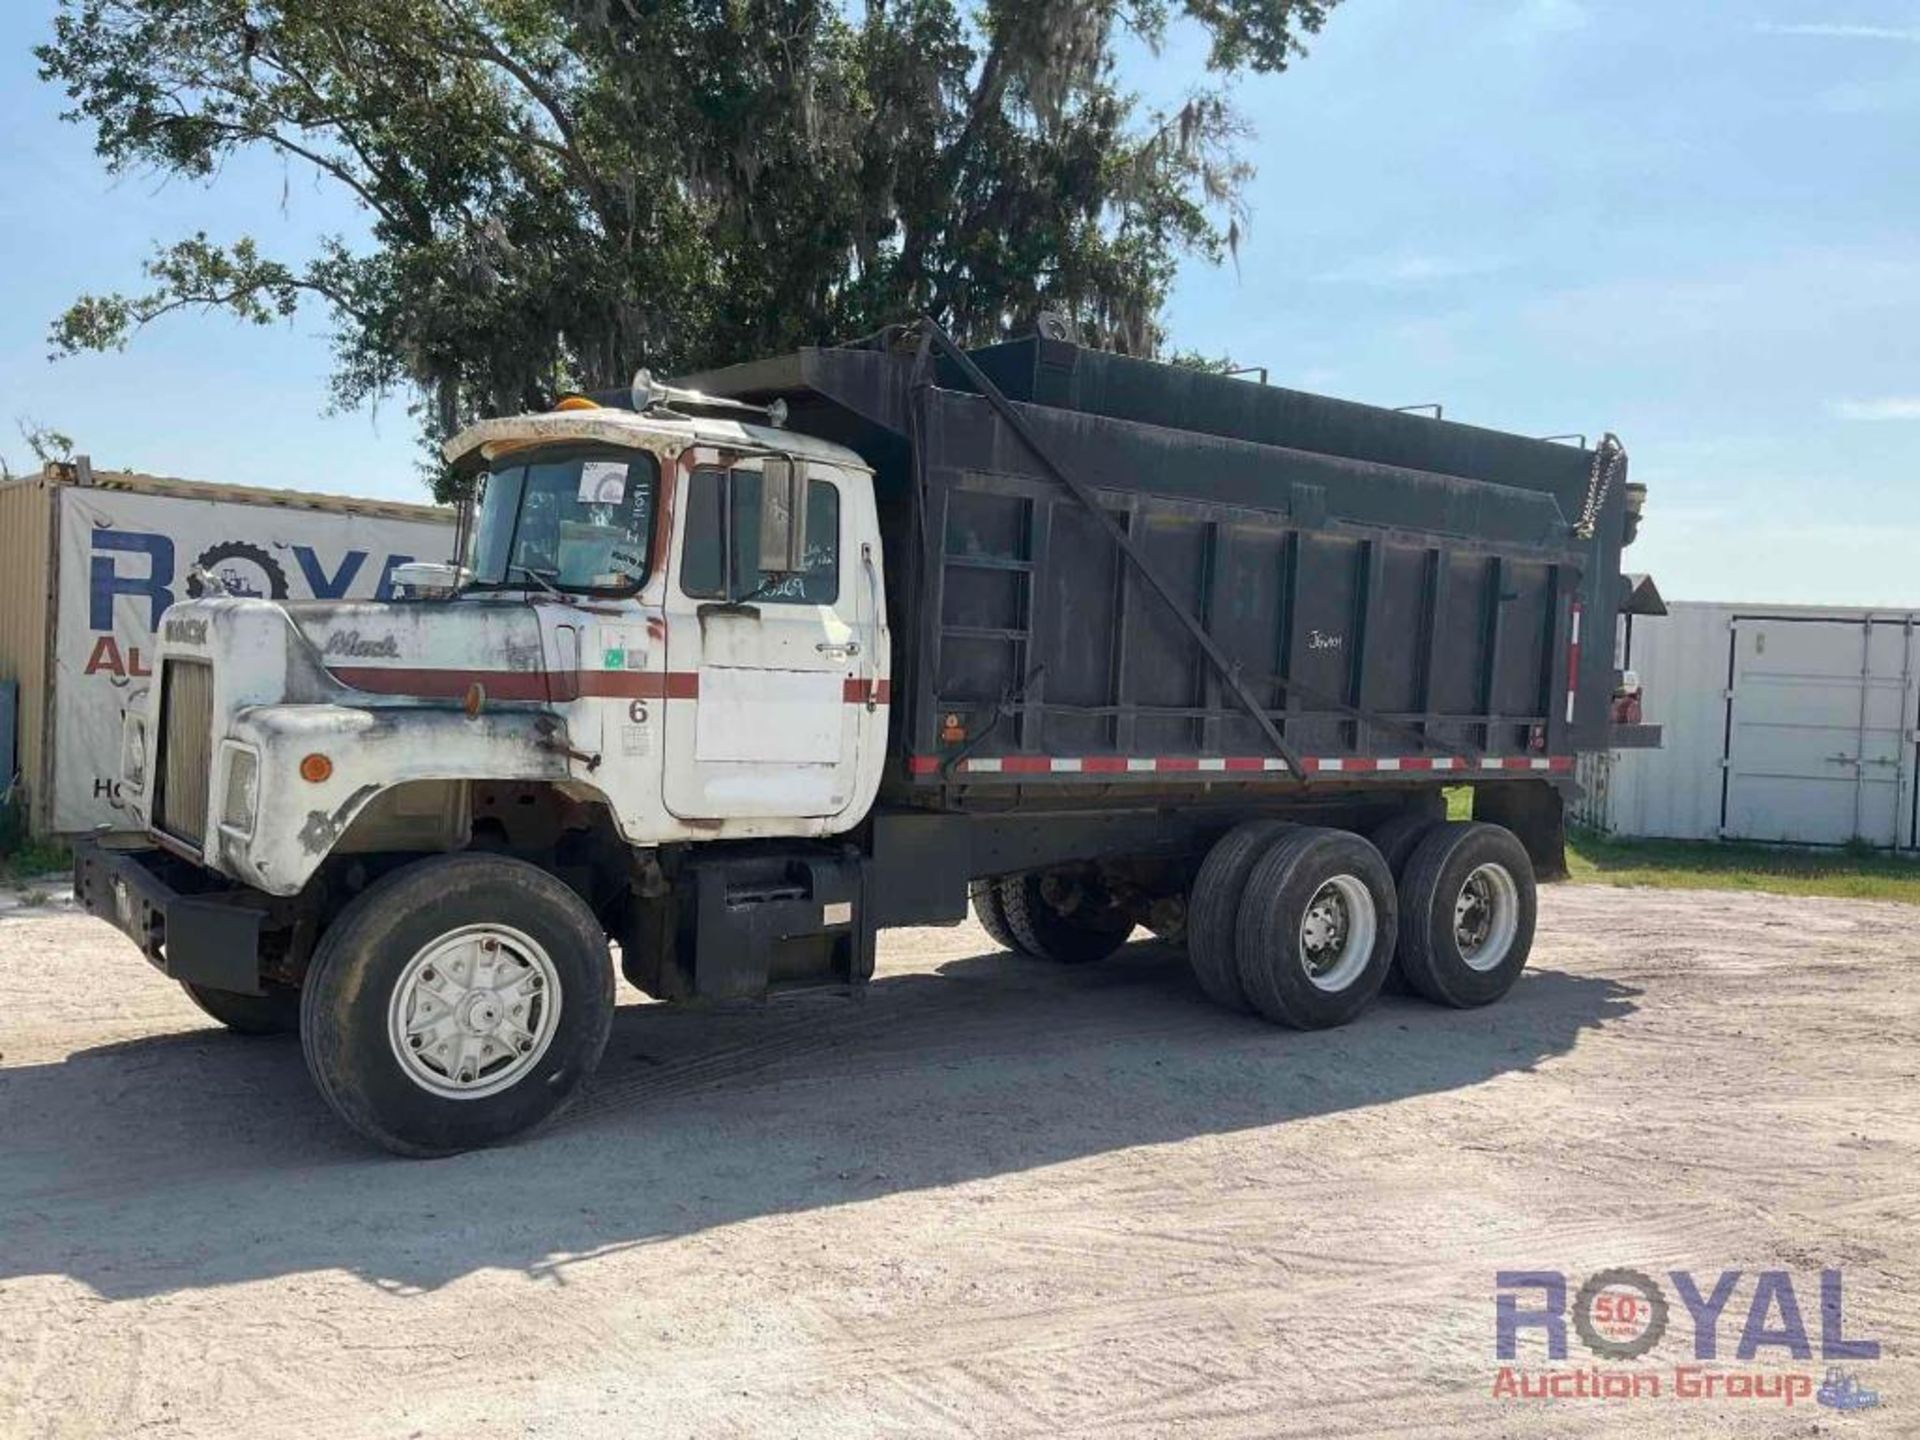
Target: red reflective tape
column 1517, row 762
column 1245, row 762
column 622, row 685
column 1560, row 762
column 443, row 684
column 1416, row 762
column 1360, row 762
column 922, row 765
column 1176, row 762
column 1103, row 764
column 1573, row 659
column 1026, row 764
column 437, row 684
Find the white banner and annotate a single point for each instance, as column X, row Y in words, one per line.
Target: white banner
column 125, row 557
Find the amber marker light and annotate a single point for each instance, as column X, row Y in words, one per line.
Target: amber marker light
column 316, row 769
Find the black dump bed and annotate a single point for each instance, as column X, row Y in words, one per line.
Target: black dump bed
column 1352, row 594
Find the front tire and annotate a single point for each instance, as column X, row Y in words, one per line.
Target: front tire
column 275, row 1013
column 455, row 1003
column 1316, row 929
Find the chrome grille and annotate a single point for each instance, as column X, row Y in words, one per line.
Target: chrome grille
column 186, row 748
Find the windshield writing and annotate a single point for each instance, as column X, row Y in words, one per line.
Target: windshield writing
column 579, row 522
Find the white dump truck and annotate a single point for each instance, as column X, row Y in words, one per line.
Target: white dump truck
column 732, row 675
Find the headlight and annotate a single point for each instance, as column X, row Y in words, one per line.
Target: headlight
column 133, row 753
column 240, row 797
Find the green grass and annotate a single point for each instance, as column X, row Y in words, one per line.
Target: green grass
column 1850, row 873
column 22, row 858
column 34, row 859
column 1701, row 865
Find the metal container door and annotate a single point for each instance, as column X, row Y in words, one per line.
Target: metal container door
column 1818, row 722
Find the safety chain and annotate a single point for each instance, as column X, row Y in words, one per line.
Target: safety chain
column 1609, row 459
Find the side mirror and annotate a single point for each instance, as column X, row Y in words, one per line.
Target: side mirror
column 429, row 579
column 783, row 515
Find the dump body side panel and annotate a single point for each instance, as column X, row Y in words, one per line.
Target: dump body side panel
column 1407, row 598
column 1388, row 619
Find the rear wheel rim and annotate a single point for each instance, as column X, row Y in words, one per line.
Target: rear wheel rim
column 1337, row 932
column 1486, row 916
column 474, row 1011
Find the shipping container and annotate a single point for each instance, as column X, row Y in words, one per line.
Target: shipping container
column 1783, row 724
column 90, row 558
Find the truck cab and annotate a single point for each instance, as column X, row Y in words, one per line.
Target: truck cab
column 621, row 630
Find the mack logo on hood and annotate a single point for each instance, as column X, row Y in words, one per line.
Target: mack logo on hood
column 352, row 645
column 186, row 631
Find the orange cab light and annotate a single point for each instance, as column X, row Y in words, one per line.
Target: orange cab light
column 316, row 769
column 576, row 402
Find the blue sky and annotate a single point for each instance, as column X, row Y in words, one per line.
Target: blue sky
column 1694, row 224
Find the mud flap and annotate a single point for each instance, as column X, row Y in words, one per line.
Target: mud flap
column 1535, row 811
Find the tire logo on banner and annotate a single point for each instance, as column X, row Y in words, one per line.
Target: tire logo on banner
column 244, row 569
column 1617, row 1325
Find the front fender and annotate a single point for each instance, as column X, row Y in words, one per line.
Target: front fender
column 296, row 821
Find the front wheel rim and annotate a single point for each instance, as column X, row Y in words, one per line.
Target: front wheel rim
column 1486, row 916
column 1337, row 933
column 474, row 1011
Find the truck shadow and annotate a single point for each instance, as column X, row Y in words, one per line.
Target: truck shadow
column 183, row 1161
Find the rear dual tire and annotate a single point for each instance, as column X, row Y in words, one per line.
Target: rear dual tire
column 1396, row 840
column 1471, row 908
column 985, row 895
column 1018, row 915
column 1316, row 928
column 1305, row 925
column 1214, row 909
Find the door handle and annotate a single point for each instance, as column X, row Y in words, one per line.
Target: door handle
column 840, row 651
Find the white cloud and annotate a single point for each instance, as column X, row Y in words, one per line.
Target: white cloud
column 1893, row 407
column 1826, row 31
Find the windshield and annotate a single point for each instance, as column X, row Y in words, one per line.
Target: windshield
column 575, row 520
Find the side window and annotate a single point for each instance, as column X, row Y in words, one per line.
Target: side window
column 722, row 547
column 703, row 566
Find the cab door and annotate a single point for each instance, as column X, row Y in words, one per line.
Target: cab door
column 761, row 671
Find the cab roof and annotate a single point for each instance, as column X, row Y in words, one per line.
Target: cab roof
column 638, row 430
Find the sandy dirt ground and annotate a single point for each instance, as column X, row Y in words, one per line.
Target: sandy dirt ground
column 992, row 1197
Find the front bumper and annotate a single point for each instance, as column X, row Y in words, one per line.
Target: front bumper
column 192, row 924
